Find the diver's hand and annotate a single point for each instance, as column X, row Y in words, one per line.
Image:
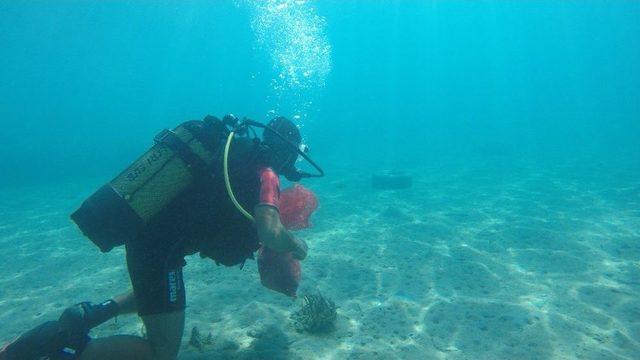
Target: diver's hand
column 300, row 250
column 274, row 235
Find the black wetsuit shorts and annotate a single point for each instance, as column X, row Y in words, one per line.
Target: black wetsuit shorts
column 155, row 268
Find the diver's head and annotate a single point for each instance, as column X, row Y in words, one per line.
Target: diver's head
column 283, row 149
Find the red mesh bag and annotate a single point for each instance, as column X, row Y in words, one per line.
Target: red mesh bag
column 297, row 203
column 280, row 271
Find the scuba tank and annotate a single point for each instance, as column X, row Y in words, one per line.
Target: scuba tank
column 119, row 210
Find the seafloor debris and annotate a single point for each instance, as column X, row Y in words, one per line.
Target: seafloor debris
column 391, row 180
column 197, row 341
column 317, row 315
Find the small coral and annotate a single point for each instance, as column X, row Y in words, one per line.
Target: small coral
column 197, row 341
column 317, row 315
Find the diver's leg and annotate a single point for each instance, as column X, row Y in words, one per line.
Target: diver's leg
column 121, row 347
column 164, row 335
column 155, row 269
column 50, row 338
column 126, row 303
column 69, row 334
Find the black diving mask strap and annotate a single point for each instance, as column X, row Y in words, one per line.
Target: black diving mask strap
column 249, row 122
column 304, row 174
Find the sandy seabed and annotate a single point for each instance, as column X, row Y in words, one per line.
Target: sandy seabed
column 482, row 262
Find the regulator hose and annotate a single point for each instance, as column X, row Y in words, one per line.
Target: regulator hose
column 227, row 183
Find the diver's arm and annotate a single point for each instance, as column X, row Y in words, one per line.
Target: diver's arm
column 273, row 234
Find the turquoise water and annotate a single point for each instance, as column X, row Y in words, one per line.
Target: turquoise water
column 519, row 122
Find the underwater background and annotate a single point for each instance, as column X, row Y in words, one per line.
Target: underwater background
column 519, row 122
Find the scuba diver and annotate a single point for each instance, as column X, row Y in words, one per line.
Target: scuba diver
column 189, row 193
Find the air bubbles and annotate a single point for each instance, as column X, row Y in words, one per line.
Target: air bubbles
column 293, row 35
